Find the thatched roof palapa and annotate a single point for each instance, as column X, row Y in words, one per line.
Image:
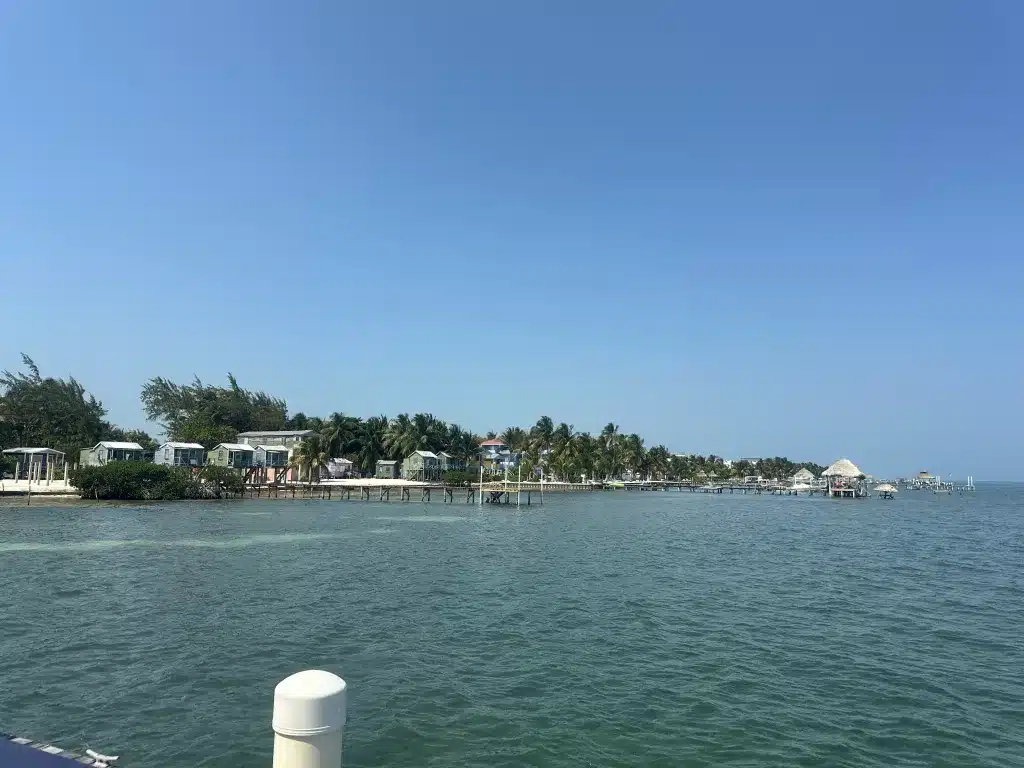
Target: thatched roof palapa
column 886, row 488
column 803, row 475
column 843, row 468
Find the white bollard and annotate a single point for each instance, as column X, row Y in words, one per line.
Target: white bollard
column 309, row 717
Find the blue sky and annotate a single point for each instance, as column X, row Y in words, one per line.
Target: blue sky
column 744, row 228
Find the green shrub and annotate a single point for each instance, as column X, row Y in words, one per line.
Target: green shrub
column 460, row 477
column 221, row 481
column 142, row 481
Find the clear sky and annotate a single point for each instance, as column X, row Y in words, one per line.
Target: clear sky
column 745, row 228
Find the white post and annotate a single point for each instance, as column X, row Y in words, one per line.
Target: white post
column 65, row 471
column 480, row 501
column 309, row 717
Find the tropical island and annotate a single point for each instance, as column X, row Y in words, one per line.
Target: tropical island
column 61, row 415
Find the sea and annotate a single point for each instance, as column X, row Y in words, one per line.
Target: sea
column 600, row 629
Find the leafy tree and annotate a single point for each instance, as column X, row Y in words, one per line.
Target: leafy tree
column 39, row 411
column 221, row 481
column 207, row 414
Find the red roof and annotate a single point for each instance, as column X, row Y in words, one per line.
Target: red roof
column 493, row 442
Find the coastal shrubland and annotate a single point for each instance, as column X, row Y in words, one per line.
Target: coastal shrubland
column 142, row 481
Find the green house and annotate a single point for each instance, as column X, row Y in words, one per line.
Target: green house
column 231, row 455
column 386, row 469
column 421, row 465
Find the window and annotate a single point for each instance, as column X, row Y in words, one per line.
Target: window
column 167, row 453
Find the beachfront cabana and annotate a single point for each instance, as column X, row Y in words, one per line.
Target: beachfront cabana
column 235, row 455
column 844, row 480
column 387, row 469
column 273, row 456
column 341, row 468
column 107, row 451
column 37, row 464
column 180, row 455
column 421, row 465
column 844, row 468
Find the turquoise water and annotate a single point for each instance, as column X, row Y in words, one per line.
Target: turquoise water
column 658, row 629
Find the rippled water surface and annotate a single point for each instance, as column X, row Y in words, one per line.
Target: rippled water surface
column 658, row 629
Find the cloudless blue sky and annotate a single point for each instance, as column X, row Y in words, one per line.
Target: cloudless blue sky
column 746, row 228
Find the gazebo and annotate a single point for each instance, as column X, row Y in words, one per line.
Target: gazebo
column 37, row 465
column 840, row 477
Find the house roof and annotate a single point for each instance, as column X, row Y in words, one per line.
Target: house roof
column 445, row 454
column 273, row 448
column 386, row 461
column 235, row 447
column 36, row 451
column 278, row 433
column 803, row 474
column 493, row 442
column 341, row 461
column 425, row 454
column 181, row 445
column 118, row 445
column 842, row 468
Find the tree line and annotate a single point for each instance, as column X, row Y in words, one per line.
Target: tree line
column 58, row 413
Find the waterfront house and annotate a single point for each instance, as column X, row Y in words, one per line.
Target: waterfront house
column 338, row 469
column 496, row 456
column 387, row 469
column 180, row 455
column 237, row 455
column 421, row 465
column 271, row 456
column 107, row 451
column 37, row 464
column 449, row 462
column 493, row 450
column 277, row 438
column 286, row 437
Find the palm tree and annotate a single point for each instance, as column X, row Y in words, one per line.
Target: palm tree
column 542, row 433
column 460, row 443
column 372, row 441
column 633, row 454
column 514, row 438
column 312, row 454
column 609, row 444
column 658, row 460
column 341, row 432
column 399, row 436
column 425, row 434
